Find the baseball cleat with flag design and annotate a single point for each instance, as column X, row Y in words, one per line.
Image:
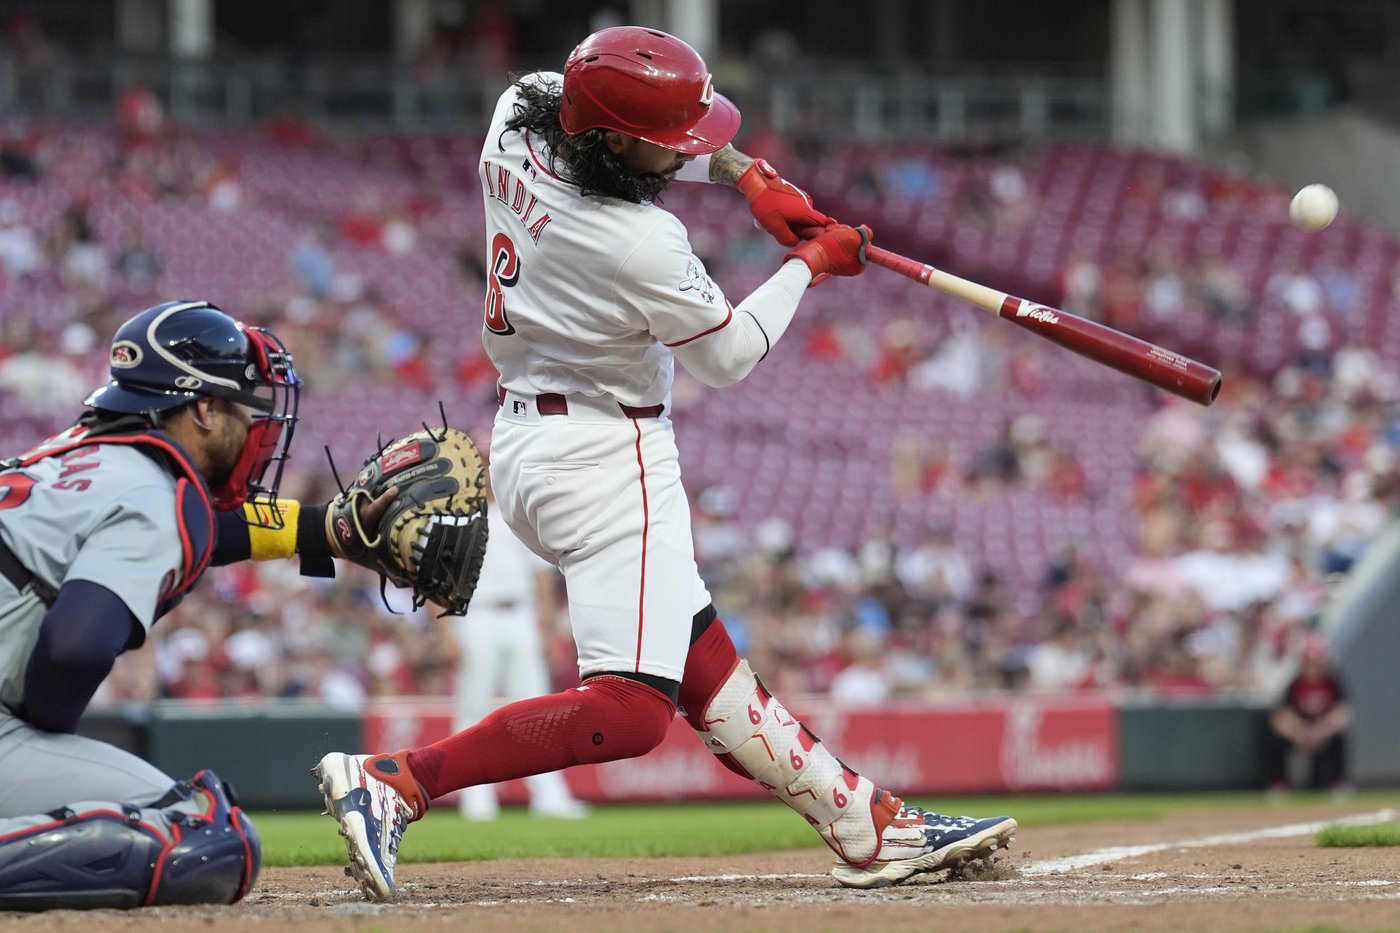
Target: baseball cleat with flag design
column 915, row 841
column 373, row 798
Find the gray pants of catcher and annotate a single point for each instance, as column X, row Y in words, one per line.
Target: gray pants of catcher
column 44, row 771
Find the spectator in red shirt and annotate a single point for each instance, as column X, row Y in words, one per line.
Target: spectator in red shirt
column 1122, row 293
column 824, row 340
column 290, row 127
column 140, row 116
column 899, row 351
column 1311, row 720
column 415, row 366
column 474, row 369
column 1066, row 480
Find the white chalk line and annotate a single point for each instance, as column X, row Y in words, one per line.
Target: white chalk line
column 1118, row 853
column 776, row 877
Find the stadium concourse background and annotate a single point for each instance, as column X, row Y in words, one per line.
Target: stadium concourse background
column 932, row 530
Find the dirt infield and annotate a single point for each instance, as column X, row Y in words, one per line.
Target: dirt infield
column 1251, row 871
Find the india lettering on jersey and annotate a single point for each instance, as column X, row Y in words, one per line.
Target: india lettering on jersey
column 510, row 190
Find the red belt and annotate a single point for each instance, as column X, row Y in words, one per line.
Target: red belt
column 552, row 403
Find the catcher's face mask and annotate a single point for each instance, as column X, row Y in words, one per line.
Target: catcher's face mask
column 274, row 395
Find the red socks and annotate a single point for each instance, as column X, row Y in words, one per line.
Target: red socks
column 708, row 665
column 606, row 719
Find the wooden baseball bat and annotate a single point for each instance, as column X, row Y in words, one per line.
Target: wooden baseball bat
column 1128, row 354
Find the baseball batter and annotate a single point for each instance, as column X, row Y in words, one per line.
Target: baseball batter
column 103, row 528
column 594, row 292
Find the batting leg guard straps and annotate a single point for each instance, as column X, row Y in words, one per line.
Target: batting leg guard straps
column 745, row 722
column 193, row 846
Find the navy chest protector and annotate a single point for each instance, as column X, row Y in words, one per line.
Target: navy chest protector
column 194, row 508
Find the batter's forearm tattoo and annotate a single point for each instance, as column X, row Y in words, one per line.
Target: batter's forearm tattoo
column 727, row 165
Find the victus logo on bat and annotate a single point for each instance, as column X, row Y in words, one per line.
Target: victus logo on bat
column 1038, row 313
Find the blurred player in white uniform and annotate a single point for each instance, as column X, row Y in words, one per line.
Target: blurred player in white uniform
column 593, row 294
column 503, row 657
column 103, row 529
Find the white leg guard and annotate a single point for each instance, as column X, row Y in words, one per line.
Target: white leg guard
column 745, row 722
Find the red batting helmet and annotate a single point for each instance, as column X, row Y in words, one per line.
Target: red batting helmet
column 646, row 84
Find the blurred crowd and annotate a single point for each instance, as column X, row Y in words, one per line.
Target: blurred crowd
column 1247, row 512
column 1248, row 515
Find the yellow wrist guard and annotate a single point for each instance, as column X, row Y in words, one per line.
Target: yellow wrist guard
column 272, row 543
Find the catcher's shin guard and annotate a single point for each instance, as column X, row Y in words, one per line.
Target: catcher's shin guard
column 193, row 846
column 217, row 852
column 746, row 724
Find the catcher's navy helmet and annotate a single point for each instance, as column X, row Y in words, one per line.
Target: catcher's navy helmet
column 177, row 352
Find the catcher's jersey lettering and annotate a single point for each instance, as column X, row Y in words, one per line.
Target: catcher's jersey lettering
column 72, row 464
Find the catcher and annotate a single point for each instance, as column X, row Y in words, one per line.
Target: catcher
column 174, row 466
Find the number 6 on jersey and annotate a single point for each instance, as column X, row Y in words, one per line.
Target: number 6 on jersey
column 504, row 272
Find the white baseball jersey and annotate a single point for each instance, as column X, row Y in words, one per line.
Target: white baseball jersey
column 596, row 308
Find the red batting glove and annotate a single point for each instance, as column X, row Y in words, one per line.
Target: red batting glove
column 837, row 250
column 780, row 207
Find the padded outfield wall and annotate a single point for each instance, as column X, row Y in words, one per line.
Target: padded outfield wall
column 1362, row 622
column 1000, row 745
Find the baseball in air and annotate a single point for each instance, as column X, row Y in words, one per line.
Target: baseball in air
column 1313, row 208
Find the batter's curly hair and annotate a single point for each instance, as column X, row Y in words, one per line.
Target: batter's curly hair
column 583, row 160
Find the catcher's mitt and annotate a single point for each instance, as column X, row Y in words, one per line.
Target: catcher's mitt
column 432, row 537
